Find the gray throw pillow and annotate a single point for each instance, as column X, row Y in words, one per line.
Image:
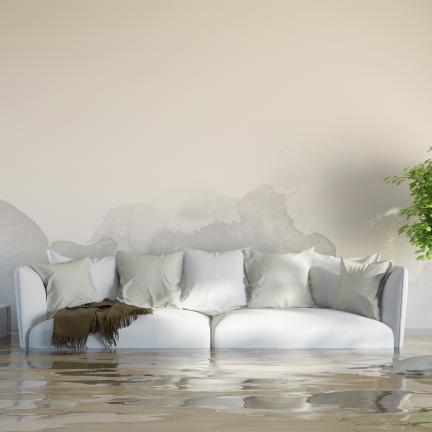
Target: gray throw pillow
column 324, row 277
column 278, row 280
column 67, row 284
column 324, row 286
column 361, row 286
column 150, row 280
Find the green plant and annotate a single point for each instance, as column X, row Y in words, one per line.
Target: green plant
column 419, row 215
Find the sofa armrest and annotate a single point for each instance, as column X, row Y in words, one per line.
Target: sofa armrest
column 31, row 304
column 394, row 303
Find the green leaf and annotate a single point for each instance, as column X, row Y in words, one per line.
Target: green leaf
column 418, row 215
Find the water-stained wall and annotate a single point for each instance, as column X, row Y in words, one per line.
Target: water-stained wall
column 156, row 124
column 212, row 222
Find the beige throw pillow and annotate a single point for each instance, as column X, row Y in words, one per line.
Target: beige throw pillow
column 278, row 280
column 67, row 284
column 150, row 280
column 103, row 270
column 361, row 287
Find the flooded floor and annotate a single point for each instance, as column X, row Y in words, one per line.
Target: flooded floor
column 223, row 391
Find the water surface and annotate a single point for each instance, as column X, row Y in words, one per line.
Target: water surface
column 223, row 390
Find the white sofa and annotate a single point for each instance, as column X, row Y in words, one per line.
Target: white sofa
column 295, row 328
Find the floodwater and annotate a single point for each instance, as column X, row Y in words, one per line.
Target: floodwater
column 223, row 390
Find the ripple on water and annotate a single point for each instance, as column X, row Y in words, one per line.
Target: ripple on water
column 43, row 391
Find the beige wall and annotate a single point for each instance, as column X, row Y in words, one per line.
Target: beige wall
column 194, row 104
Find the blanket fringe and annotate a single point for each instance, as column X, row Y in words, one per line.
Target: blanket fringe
column 71, row 342
column 110, row 326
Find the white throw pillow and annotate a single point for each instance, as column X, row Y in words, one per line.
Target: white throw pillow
column 361, row 287
column 324, row 276
column 213, row 282
column 67, row 284
column 150, row 280
column 103, row 270
column 278, row 280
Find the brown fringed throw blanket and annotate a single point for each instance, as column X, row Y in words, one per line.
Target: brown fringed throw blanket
column 73, row 325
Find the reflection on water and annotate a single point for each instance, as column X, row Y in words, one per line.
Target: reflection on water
column 365, row 400
column 257, row 390
column 374, row 401
column 420, row 365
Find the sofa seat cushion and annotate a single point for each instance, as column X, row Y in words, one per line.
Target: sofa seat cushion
column 298, row 328
column 166, row 328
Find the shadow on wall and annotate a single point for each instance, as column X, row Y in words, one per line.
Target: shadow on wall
column 211, row 222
